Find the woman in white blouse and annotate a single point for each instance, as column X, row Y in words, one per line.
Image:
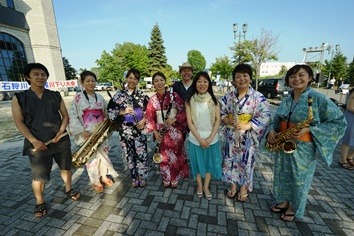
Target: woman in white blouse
column 203, row 117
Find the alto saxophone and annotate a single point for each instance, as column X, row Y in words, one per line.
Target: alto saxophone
column 157, row 158
column 90, row 145
column 283, row 139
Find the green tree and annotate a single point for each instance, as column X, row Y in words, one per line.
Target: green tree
column 339, row 66
column 257, row 51
column 157, row 54
column 123, row 57
column 350, row 72
column 222, row 66
column 282, row 71
column 70, row 72
column 196, row 59
column 110, row 69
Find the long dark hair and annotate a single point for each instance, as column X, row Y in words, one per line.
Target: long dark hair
column 194, row 87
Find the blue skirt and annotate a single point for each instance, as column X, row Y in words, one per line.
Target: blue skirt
column 205, row 160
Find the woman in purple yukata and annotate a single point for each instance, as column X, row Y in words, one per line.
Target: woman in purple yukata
column 174, row 161
column 245, row 113
column 127, row 108
column 87, row 110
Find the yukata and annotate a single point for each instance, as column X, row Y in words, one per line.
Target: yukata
column 293, row 172
column 85, row 113
column 174, row 161
column 238, row 149
column 133, row 140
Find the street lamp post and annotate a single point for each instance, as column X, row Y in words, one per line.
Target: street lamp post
column 240, row 35
column 244, row 30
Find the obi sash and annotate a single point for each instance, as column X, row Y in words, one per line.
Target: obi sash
column 92, row 116
column 306, row 137
column 139, row 114
column 242, row 118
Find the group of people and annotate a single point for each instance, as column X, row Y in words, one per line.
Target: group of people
column 190, row 109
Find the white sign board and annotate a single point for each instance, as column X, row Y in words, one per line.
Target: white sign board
column 9, row 86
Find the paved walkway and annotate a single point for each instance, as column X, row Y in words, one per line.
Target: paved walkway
column 154, row 210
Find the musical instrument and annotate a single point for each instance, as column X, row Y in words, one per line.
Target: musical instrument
column 90, row 145
column 283, row 138
column 52, row 140
column 157, row 158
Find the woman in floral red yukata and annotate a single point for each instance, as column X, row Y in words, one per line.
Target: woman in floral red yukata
column 166, row 110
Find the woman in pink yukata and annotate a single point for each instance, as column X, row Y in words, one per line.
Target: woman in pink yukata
column 87, row 110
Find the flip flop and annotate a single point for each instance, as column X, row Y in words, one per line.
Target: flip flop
column 231, row 194
column 276, row 209
column 287, row 215
column 346, row 166
column 241, row 196
column 350, row 161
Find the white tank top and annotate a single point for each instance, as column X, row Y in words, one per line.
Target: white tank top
column 203, row 124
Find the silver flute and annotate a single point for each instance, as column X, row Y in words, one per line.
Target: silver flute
column 237, row 134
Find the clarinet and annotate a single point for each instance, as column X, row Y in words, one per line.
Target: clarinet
column 131, row 104
column 157, row 158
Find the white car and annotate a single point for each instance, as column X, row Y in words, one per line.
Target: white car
column 104, row 86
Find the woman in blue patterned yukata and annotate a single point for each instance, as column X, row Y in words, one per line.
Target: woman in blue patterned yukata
column 245, row 113
column 293, row 172
column 87, row 110
column 129, row 105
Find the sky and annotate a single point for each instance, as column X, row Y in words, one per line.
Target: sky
column 87, row 28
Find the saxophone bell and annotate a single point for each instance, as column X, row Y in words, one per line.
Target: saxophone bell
column 157, row 158
column 289, row 146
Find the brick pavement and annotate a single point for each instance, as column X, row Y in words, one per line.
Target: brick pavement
column 154, row 210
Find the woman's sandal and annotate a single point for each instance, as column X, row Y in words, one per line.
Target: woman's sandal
column 142, row 183
column 98, row 189
column 135, row 183
column 40, row 210
column 346, row 166
column 287, row 216
column 174, row 184
column 350, row 161
column 166, row 184
column 242, row 197
column 231, row 194
column 276, row 209
column 109, row 183
column 73, row 194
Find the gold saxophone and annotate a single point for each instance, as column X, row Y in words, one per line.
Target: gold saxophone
column 90, row 145
column 283, row 139
column 157, row 158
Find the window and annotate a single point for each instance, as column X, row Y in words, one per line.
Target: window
column 12, row 58
column 10, row 4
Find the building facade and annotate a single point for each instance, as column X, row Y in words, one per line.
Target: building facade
column 28, row 33
column 273, row 68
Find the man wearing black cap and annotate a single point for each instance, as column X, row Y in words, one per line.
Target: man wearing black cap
column 183, row 87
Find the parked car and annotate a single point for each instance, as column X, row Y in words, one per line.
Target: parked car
column 104, row 86
column 274, row 87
